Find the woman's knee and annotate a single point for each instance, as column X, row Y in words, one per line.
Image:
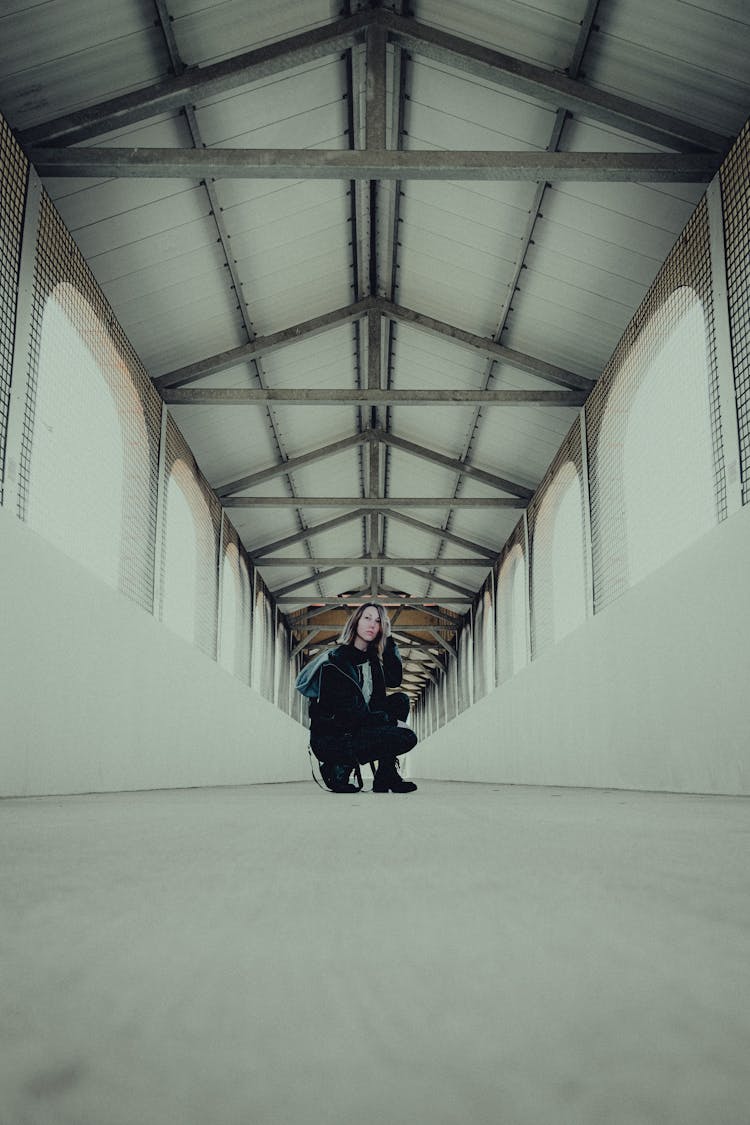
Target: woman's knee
column 397, row 705
column 407, row 738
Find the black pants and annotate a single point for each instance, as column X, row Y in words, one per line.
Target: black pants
column 369, row 744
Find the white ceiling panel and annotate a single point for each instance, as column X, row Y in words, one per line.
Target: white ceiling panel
column 542, row 32
column 209, row 31
column 449, row 110
column 300, row 106
column 688, row 59
column 73, row 54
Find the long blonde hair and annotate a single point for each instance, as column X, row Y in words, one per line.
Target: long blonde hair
column 349, row 632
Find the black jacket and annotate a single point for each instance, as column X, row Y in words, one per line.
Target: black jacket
column 341, row 707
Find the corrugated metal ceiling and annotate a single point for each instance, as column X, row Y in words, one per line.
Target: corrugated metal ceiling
column 193, row 269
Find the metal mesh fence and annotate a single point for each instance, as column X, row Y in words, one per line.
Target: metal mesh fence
column 559, row 575
column 735, row 185
column 86, row 386
column 189, row 585
column 511, row 609
column 665, row 363
column 84, row 375
column 14, row 172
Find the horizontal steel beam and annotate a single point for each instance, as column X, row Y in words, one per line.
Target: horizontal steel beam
column 420, row 647
column 198, row 83
column 301, row 618
column 487, row 346
column 380, row 503
column 373, row 560
column 263, row 345
column 361, row 396
column 365, row 599
column 427, row 627
column 396, row 632
column 363, row 164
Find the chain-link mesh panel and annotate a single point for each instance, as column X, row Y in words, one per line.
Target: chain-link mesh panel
column 79, row 355
column 735, row 185
column 236, row 607
column 191, row 521
column 511, row 609
column 656, row 406
column 14, row 171
column 560, row 574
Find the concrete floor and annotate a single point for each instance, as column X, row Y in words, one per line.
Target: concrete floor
column 469, row 954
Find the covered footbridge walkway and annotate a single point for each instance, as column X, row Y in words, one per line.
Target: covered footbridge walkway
column 444, row 306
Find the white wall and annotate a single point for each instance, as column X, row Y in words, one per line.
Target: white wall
column 652, row 693
column 95, row 695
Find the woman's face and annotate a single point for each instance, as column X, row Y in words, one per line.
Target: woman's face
column 368, row 626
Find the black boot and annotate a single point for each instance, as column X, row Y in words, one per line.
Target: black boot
column 336, row 777
column 388, row 780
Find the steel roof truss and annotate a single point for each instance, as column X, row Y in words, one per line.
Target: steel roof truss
column 550, row 86
column 201, row 82
column 443, row 643
column 457, row 589
column 317, row 577
column 496, row 351
column 262, row 345
column 462, row 467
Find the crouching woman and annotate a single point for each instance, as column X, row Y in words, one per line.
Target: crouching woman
column 353, row 721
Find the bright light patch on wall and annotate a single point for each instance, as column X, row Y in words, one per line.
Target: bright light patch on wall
column 234, row 644
column 569, row 583
column 659, row 413
column 559, row 571
column 75, row 493
column 511, row 616
column 178, row 611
